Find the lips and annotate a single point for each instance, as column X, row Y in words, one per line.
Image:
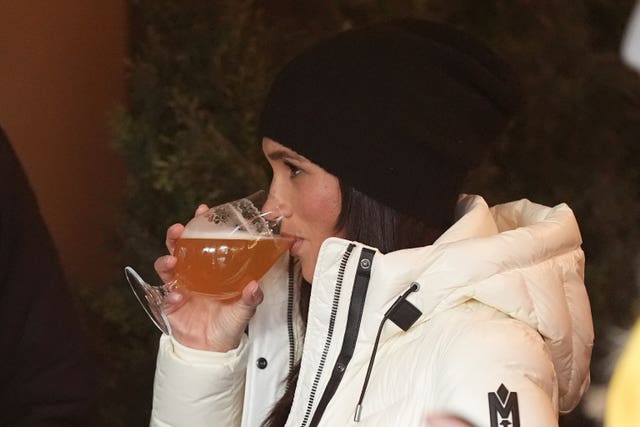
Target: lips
column 295, row 246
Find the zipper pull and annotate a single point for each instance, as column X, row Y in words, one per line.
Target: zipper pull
column 392, row 310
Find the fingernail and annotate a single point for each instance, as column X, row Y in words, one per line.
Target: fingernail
column 256, row 289
column 174, row 298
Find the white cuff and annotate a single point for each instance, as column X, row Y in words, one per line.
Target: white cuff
column 204, row 357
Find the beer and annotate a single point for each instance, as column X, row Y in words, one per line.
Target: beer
column 221, row 265
column 219, row 253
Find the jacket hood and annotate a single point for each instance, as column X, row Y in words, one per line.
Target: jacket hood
column 520, row 258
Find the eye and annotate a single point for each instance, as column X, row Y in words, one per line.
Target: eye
column 294, row 170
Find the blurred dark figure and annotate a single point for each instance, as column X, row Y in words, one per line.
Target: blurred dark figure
column 46, row 377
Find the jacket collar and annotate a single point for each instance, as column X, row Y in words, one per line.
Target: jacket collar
column 394, row 272
column 483, row 243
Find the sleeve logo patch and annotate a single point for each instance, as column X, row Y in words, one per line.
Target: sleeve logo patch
column 503, row 408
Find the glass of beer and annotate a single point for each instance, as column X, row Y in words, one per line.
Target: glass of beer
column 219, row 253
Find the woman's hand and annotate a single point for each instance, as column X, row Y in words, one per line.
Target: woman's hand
column 202, row 322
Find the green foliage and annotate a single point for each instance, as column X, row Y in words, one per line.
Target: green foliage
column 200, row 68
column 188, row 134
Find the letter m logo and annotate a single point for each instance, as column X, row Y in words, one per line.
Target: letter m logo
column 503, row 408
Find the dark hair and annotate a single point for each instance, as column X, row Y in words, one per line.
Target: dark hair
column 375, row 224
column 372, row 223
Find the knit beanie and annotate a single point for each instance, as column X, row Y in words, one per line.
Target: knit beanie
column 399, row 110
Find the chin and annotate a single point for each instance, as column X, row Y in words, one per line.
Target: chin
column 307, row 277
column 307, row 273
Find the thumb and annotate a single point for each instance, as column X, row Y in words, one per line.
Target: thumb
column 245, row 307
column 252, row 295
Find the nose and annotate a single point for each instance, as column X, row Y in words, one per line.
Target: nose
column 275, row 205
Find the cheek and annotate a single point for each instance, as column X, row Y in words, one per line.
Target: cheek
column 321, row 209
column 320, row 214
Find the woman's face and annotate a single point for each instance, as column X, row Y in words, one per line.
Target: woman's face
column 308, row 197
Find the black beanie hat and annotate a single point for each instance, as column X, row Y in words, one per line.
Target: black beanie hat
column 399, row 110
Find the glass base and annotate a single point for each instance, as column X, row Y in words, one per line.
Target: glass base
column 151, row 299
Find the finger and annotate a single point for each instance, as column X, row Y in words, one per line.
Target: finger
column 201, row 209
column 173, row 233
column 245, row 307
column 174, row 300
column 252, row 295
column 165, row 266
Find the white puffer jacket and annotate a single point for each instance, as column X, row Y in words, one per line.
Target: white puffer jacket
column 499, row 330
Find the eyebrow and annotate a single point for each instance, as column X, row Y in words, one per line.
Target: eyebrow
column 285, row 154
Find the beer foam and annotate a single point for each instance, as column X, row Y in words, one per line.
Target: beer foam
column 239, row 220
column 218, row 234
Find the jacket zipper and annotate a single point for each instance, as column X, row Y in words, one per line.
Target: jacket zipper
column 327, row 344
column 350, row 335
column 290, row 304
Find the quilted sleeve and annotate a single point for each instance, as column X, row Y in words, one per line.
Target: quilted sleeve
column 198, row 388
column 497, row 373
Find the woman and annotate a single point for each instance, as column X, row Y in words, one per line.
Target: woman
column 399, row 300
